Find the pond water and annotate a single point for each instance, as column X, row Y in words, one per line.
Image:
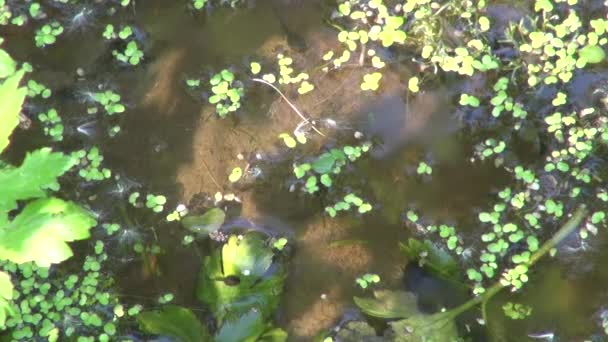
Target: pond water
column 173, row 143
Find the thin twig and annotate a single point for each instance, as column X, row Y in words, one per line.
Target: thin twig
column 289, row 103
column 211, row 175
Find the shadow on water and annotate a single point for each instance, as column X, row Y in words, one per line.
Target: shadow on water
column 174, row 144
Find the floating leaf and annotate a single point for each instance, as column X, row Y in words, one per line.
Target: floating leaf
column 592, row 53
column 388, row 304
column 175, row 322
column 235, row 175
column 207, row 223
column 40, row 232
column 11, row 100
column 305, row 87
column 324, row 163
column 288, row 140
column 255, row 68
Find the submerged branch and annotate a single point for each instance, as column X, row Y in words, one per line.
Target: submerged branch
column 295, row 109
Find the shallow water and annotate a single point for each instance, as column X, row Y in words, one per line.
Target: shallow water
column 172, row 142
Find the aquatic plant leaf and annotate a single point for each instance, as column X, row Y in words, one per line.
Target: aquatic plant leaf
column 424, row 328
column 356, row 331
column 207, row 223
column 11, row 100
column 175, row 322
column 247, row 328
column 273, row 335
column 230, row 290
column 248, row 256
column 593, row 53
column 324, row 163
column 41, row 231
column 6, row 295
column 8, row 66
column 436, row 260
column 388, row 304
column 38, row 173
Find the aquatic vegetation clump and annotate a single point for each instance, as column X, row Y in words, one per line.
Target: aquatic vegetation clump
column 47, row 34
column 53, row 306
column 53, row 126
column 227, row 93
column 89, row 164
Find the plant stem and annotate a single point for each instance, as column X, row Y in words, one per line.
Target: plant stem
column 561, row 234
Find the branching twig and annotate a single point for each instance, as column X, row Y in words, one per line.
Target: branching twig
column 259, row 80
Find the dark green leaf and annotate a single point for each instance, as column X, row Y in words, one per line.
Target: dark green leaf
column 388, row 304
column 324, row 163
column 424, row 328
column 432, row 258
column 175, row 322
column 207, row 223
column 247, row 328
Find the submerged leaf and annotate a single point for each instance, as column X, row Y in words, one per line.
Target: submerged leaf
column 41, row 231
column 431, row 258
column 356, row 331
column 175, row 322
column 207, row 223
column 388, row 304
column 247, row 328
column 324, row 163
column 424, row 328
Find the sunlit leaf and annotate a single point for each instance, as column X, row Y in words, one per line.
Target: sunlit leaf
column 592, row 53
column 6, row 295
column 38, row 173
column 11, row 100
column 246, row 256
column 41, row 231
column 7, row 64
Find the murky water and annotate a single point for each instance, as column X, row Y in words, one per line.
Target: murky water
column 174, row 144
